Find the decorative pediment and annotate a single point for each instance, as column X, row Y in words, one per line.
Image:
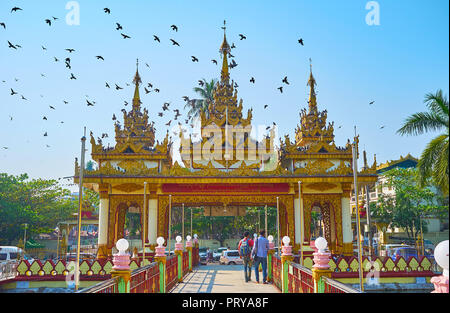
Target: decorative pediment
column 129, row 187
column 319, row 166
column 321, row 186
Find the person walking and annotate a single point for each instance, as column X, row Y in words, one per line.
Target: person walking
column 259, row 253
column 245, row 253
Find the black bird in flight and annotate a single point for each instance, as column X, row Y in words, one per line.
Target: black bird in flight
column 3, row 24
column 44, row 118
column 372, row 102
column 45, row 135
column 49, row 22
column 23, row 98
column 99, row 57
column 16, row 9
column 156, row 38
column 52, row 107
column 107, row 85
column 118, row 26
column 194, row 59
column 174, row 27
column 382, row 127
column 125, row 103
column 54, row 18
column 108, row 11
column 300, row 41
column 165, row 106
column 174, row 43
column 156, row 90
column 242, row 37
column 125, row 36
column 252, row 80
column 185, row 98
column 232, row 46
column 265, row 106
column 70, row 50
column 268, row 127
column 72, row 76
column 160, row 114
column 214, row 61
column 146, row 90
column 201, row 83
column 281, row 89
column 146, row 64
column 118, row 87
column 285, row 80
column 44, row 48
column 89, row 103
column 168, row 124
column 114, row 117
column 10, row 45
column 150, row 85
column 68, row 65
column 236, row 85
column 233, row 64
column 13, row 92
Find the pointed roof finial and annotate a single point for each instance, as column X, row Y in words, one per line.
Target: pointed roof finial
column 312, row 92
column 225, row 50
column 137, row 81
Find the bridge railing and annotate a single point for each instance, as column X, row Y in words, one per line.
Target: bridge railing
column 145, row 279
column 329, row 285
column 171, row 271
column 276, row 271
column 108, row 286
column 300, row 279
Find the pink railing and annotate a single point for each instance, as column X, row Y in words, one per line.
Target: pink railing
column 300, row 279
column 333, row 286
column 195, row 256
column 185, row 262
column 276, row 271
column 145, row 279
column 171, row 271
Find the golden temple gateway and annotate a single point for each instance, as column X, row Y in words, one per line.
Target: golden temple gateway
column 227, row 168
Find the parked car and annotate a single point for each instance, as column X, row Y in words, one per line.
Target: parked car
column 230, row 257
column 203, row 255
column 10, row 253
column 218, row 253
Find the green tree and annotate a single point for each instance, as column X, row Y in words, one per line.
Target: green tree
column 434, row 159
column 410, row 203
column 39, row 203
column 202, row 104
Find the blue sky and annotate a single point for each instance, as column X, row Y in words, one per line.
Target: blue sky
column 394, row 64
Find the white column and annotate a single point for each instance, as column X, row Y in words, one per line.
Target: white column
column 103, row 222
column 152, row 220
column 347, row 233
column 297, row 220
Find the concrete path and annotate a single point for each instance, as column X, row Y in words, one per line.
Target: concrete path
column 216, row 278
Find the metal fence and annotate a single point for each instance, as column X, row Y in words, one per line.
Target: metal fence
column 8, row 270
column 145, row 279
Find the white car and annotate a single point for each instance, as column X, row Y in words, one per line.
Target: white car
column 230, row 257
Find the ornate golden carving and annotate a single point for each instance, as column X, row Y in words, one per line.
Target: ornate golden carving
column 129, row 187
column 321, row 186
column 319, row 166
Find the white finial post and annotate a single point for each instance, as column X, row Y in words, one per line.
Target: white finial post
column 441, row 284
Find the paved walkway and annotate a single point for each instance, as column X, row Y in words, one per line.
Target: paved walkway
column 221, row 279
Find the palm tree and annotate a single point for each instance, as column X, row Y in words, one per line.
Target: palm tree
column 434, row 159
column 201, row 105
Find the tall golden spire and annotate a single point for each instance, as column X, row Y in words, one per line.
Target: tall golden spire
column 312, row 92
column 137, row 81
column 225, row 50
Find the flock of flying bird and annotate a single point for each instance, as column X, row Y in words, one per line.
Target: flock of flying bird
column 147, row 88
